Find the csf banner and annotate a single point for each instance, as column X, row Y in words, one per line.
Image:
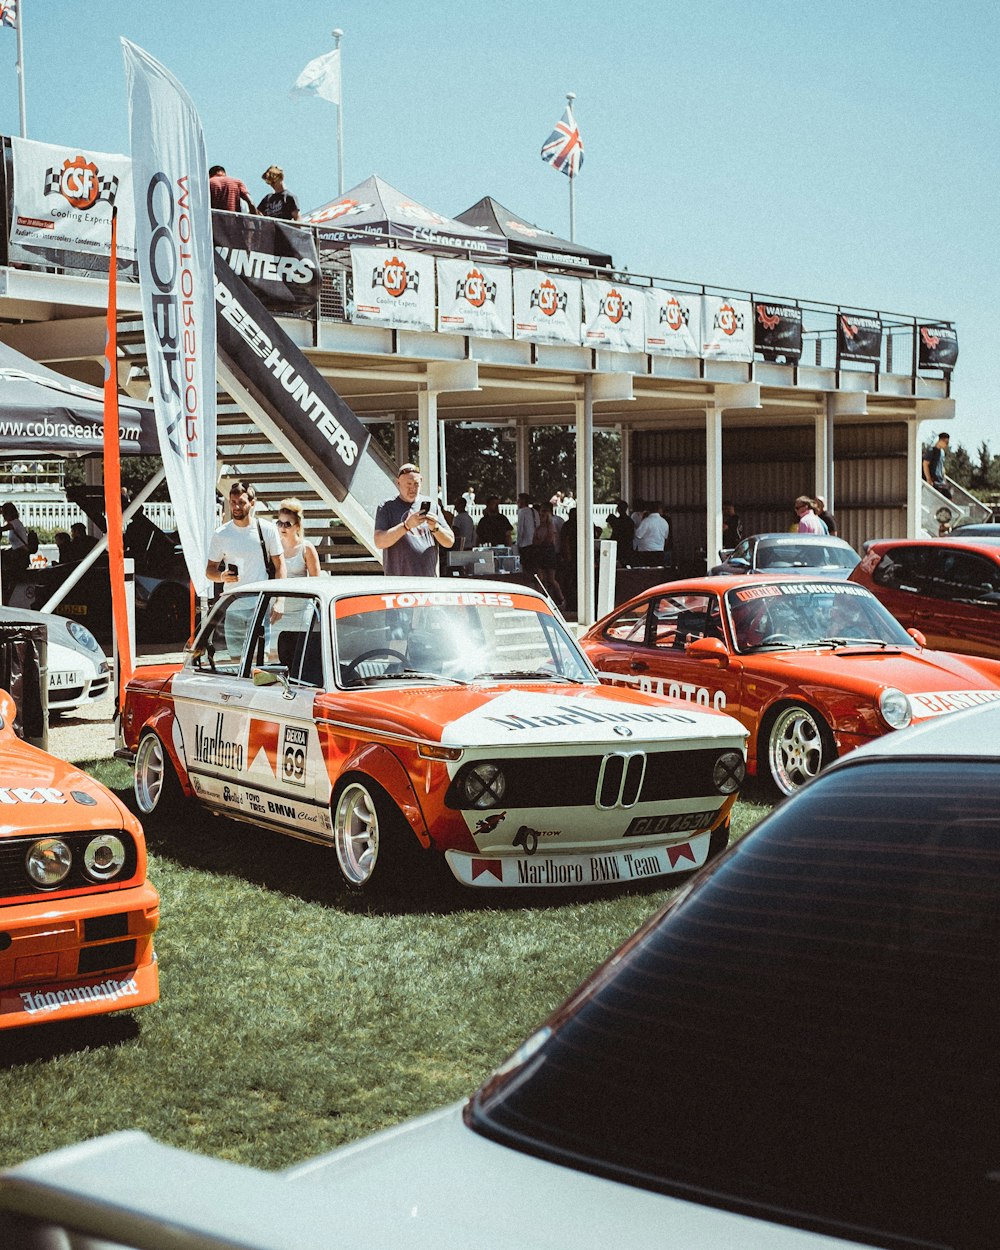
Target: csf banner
column 474, row 299
column 174, row 244
column 673, row 323
column 63, row 200
column 276, row 259
column 726, row 329
column 393, row 288
column 614, row 315
column 777, row 331
column 859, row 338
column 547, row 307
column 938, row 347
column 290, row 390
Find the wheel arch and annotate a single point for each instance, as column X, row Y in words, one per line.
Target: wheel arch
column 161, row 723
column 378, row 763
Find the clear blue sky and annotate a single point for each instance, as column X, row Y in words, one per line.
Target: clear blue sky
column 846, row 153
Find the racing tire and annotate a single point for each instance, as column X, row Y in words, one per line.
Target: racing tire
column 374, row 843
column 158, row 793
column 797, row 744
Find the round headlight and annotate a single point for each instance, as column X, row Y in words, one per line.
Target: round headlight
column 84, row 637
column 48, row 862
column 895, row 708
column 484, row 785
column 730, row 769
column 104, row 857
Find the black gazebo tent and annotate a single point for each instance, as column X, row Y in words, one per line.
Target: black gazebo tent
column 524, row 239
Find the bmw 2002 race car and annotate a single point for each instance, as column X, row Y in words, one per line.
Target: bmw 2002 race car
column 811, row 668
column 77, row 914
column 384, row 716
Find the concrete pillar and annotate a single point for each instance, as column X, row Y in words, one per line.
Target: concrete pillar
column 822, row 423
column 713, row 484
column 914, row 481
column 522, row 454
column 443, row 460
column 625, row 433
column 428, row 436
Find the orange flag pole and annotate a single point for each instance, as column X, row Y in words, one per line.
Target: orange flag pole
column 113, row 480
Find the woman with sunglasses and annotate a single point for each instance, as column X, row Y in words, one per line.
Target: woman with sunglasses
column 301, row 558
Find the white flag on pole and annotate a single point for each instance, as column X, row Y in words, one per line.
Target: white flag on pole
column 177, row 289
column 321, row 77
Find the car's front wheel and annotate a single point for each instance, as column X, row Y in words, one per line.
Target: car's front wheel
column 374, row 843
column 799, row 743
column 158, row 792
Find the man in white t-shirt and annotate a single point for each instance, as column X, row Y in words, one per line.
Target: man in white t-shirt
column 236, row 549
column 651, row 536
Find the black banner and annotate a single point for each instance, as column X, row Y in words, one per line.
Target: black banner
column 777, row 331
column 938, row 347
column 293, row 393
column 277, row 260
column 859, row 338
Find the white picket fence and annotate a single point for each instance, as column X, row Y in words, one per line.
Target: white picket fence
column 54, row 514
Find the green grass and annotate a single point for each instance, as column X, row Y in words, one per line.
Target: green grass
column 295, row 1016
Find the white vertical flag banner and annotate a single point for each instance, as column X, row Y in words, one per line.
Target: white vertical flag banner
column 321, row 77
column 177, row 286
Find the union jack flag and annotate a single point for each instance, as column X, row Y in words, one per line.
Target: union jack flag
column 563, row 149
column 8, row 12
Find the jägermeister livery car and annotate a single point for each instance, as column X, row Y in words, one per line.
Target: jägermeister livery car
column 385, row 717
column 77, row 914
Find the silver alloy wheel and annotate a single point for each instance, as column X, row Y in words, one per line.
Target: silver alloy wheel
column 150, row 773
column 356, row 833
column 796, row 749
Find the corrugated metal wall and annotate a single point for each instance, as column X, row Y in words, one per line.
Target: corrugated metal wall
column 762, row 472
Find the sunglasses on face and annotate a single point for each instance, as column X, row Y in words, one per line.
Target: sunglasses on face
column 285, row 525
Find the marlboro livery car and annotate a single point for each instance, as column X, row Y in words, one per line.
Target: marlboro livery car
column 77, row 914
column 383, row 716
column 811, row 668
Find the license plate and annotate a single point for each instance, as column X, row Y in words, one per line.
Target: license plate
column 59, row 681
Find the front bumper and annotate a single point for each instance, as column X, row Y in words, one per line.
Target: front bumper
column 61, row 959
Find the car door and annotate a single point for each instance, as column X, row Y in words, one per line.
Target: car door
column 667, row 666
column 960, row 608
column 618, row 654
column 899, row 579
column 287, row 783
column 212, row 696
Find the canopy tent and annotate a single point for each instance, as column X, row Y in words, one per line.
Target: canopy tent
column 524, row 239
column 44, row 413
column 375, row 209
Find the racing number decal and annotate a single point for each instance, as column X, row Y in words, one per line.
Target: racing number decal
column 293, row 756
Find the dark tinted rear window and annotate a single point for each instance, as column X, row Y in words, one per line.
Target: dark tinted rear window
column 814, row 1029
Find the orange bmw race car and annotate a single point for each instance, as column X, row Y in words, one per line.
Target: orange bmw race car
column 384, row 717
column 811, row 668
column 77, row 914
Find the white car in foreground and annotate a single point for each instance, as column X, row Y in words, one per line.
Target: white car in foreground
column 78, row 670
column 799, row 1052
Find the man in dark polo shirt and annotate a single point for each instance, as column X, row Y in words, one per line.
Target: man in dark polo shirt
column 409, row 530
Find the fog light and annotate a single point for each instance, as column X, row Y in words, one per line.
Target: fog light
column 104, row 857
column 48, row 862
column 729, row 771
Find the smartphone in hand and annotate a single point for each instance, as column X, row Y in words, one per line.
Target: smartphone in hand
column 425, row 507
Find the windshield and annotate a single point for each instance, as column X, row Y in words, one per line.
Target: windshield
column 812, row 1029
column 802, row 614
column 805, row 555
column 454, row 636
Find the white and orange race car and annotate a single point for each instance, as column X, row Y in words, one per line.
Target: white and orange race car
column 77, row 914
column 387, row 717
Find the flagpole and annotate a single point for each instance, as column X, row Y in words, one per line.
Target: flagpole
column 570, row 97
column 337, row 36
column 20, row 68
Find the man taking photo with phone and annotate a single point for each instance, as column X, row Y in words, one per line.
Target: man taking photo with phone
column 409, row 530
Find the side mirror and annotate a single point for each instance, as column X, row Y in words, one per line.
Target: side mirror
column 271, row 676
column 740, row 562
column 709, row 649
column 917, row 637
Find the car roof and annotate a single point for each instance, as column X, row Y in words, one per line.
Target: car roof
column 971, row 733
column 720, row 583
column 330, row 588
column 985, row 546
column 784, row 536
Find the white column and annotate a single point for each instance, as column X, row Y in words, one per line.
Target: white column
column 713, row 484
column 585, row 504
column 428, row 426
column 915, row 481
column 522, row 466
column 625, row 450
column 822, row 423
column 443, row 460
